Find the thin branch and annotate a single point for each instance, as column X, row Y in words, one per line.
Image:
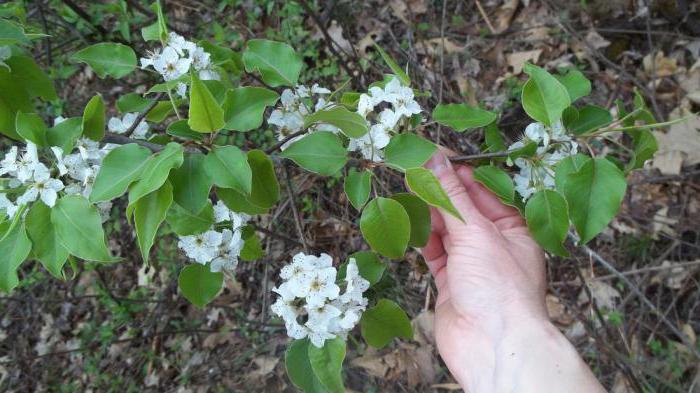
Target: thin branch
column 485, row 16
column 279, row 144
column 295, row 211
column 474, row 157
column 275, row 234
column 143, row 114
column 123, row 140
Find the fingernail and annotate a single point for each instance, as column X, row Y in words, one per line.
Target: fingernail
column 438, row 163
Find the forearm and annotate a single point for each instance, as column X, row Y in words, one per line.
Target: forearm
column 532, row 358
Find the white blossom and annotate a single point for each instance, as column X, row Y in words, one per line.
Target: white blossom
column 120, row 126
column 43, row 187
column 202, row 247
column 8, row 165
column 229, row 250
column 170, row 65
column 10, row 208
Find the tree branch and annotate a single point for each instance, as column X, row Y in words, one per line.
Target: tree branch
column 143, row 114
column 474, row 157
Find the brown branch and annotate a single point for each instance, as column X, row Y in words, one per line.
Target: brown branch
column 295, row 211
column 123, row 140
column 143, row 114
column 474, row 157
column 289, row 137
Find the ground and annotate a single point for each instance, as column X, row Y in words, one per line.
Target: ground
column 630, row 301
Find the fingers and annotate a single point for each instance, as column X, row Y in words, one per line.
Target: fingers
column 436, row 258
column 452, row 184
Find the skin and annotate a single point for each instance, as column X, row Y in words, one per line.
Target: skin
column 491, row 323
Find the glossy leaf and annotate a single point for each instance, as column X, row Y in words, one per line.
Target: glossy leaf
column 228, row 167
column 239, row 202
column 276, row 62
column 462, row 117
column 321, row 152
column 590, row 118
column 79, row 228
column 419, row 216
column 156, row 170
column 47, row 247
column 191, row 183
column 184, row 222
column 406, row 151
column 548, row 220
column 496, row 180
column 149, row 213
column 205, row 115
column 31, row 127
column 544, row 97
column 65, row 133
column 133, row 102
column 370, row 267
column 395, row 68
column 119, row 169
column 384, row 322
column 296, row 360
column 15, row 247
column 199, row 285
column 386, row 227
column 350, row 123
column 358, row 186
column 93, row 125
column 244, row 107
column 575, row 83
column 327, row 364
column 423, row 183
column 27, row 72
column 181, row 129
column 108, row 58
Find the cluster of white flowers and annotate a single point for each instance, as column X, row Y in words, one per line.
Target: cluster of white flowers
column 553, row 145
column 402, row 105
column 177, row 57
column 310, row 301
column 295, row 104
column 120, row 126
column 75, row 174
column 219, row 248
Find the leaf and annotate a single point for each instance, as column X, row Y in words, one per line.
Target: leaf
column 108, row 58
column 327, row 364
column 370, row 267
column 544, row 97
column 406, row 151
column 498, row 181
column 386, row 227
column 395, row 68
column 493, row 139
column 65, row 133
column 191, row 182
column 149, row 213
column 265, row 190
column 276, row 62
column 119, row 169
column 205, row 113
column 644, row 145
column 156, row 170
column 93, row 125
column 15, row 247
column 383, row 322
column 575, row 83
column 31, row 127
column 296, row 360
column 252, row 249
column 594, row 194
column 28, row 74
column 350, row 123
column 238, row 202
column 162, row 110
column 357, row 187
column 548, row 220
column 419, row 216
column 423, row 183
column 47, row 247
column 133, row 102
column 244, row 107
column 181, row 129
column 590, row 118
column 185, row 223
column 462, row 117
column 199, row 285
column 228, row 167
column 321, row 152
column 79, row 228
column 12, row 33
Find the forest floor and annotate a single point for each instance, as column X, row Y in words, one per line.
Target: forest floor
column 625, row 300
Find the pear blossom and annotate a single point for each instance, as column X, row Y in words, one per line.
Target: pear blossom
column 28, row 163
column 120, row 126
column 43, row 187
column 8, row 165
column 202, row 247
column 10, row 208
column 296, row 103
column 229, row 250
column 170, row 65
column 177, row 58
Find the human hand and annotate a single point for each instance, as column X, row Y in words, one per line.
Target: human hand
column 491, row 323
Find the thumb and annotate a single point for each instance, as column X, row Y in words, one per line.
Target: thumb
column 442, row 168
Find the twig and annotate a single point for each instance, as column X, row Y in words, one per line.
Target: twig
column 295, row 211
column 40, row 8
column 283, row 141
column 275, row 234
column 442, row 62
column 485, row 16
column 474, row 157
column 123, row 140
column 143, row 114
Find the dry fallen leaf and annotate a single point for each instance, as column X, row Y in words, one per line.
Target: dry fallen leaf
column 595, row 40
column 404, row 9
column 661, row 65
column 663, row 223
column 621, row 384
column 604, row 295
column 557, row 310
column 504, row 16
column 672, row 276
column 265, row 365
column 335, row 31
column 680, row 146
column 432, row 47
column 517, row 60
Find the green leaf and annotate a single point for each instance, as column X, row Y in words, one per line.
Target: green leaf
column 162, row 110
column 590, row 118
column 184, row 222
column 327, row 364
column 369, row 265
column 47, row 247
column 93, row 125
column 27, row 72
column 200, row 285
column 228, row 168
column 79, row 228
column 191, row 183
column 575, row 83
column 31, row 127
column 321, row 152
column 462, row 117
column 544, row 97
column 386, row 227
column 108, row 58
column 395, row 68
column 644, row 146
column 119, row 169
column 239, row 202
column 357, row 187
column 548, row 220
column 12, row 33
column 594, row 194
column 205, row 113
column 244, row 107
column 133, row 102
column 350, row 123
column 156, row 170
column 276, row 62
column 423, row 183
column 299, row 370
column 15, row 247
column 381, row 323
column 493, row 139
column 149, row 213
column 498, row 181
column 252, row 249
column 419, row 216
column 406, row 151
column 181, row 129
column 265, row 191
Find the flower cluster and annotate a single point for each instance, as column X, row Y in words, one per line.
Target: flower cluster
column 553, row 145
column 121, row 126
column 310, row 301
column 219, row 248
column 402, row 106
column 176, row 59
column 295, row 104
column 74, row 174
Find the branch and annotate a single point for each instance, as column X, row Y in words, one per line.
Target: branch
column 143, row 114
column 295, row 211
column 285, row 140
column 474, row 157
column 123, row 140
